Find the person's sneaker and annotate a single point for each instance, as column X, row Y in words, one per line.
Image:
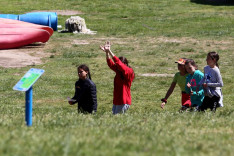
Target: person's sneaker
column 196, row 109
column 191, row 109
column 183, row 109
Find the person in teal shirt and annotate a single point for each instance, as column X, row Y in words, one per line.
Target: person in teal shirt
column 192, row 81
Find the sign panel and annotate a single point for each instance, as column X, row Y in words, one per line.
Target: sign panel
column 28, row 79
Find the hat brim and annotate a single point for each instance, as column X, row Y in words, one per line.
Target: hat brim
column 182, row 63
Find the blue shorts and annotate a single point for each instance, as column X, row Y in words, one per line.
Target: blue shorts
column 116, row 109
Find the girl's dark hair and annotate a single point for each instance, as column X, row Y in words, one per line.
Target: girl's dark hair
column 192, row 62
column 85, row 68
column 125, row 61
column 214, row 56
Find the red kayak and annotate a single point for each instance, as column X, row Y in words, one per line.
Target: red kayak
column 9, row 23
column 18, row 37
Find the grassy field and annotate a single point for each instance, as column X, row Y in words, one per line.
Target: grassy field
column 152, row 34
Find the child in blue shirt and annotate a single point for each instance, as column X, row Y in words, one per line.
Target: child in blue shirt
column 192, row 81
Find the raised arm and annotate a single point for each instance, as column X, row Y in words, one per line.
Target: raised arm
column 117, row 64
column 106, row 49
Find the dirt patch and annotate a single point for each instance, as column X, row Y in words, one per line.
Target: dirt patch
column 170, row 40
column 156, row 75
column 15, row 58
column 101, row 41
column 61, row 12
column 80, row 42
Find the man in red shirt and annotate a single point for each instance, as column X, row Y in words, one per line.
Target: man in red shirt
column 122, row 81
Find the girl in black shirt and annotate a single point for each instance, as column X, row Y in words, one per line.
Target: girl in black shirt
column 85, row 91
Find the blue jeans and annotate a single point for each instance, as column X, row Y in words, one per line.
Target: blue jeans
column 116, row 109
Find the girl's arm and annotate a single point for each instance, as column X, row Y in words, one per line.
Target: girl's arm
column 219, row 82
column 119, row 65
column 201, row 83
column 169, row 92
column 110, row 63
column 106, row 49
column 198, row 91
column 187, row 89
column 123, row 68
column 93, row 92
column 75, row 97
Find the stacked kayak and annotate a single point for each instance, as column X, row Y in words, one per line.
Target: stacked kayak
column 9, row 23
column 43, row 18
column 15, row 34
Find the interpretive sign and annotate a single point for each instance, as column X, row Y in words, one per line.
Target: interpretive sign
column 28, row 79
column 25, row 84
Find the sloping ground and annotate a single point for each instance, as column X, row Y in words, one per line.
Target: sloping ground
column 31, row 55
column 14, row 58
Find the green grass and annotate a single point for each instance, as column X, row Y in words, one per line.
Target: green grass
column 152, row 35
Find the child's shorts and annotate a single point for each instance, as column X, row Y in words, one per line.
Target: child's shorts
column 116, row 109
column 211, row 103
column 185, row 100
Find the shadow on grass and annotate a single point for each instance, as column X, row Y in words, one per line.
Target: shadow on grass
column 214, row 2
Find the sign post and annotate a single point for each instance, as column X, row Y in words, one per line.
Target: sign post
column 28, row 106
column 25, row 84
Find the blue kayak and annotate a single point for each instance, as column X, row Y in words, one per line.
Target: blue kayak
column 43, row 18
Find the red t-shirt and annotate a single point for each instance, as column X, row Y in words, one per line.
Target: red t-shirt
column 122, row 81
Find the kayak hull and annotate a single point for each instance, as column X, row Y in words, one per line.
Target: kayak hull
column 18, row 37
column 9, row 23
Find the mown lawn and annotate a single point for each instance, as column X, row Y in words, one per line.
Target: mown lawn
column 152, row 35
